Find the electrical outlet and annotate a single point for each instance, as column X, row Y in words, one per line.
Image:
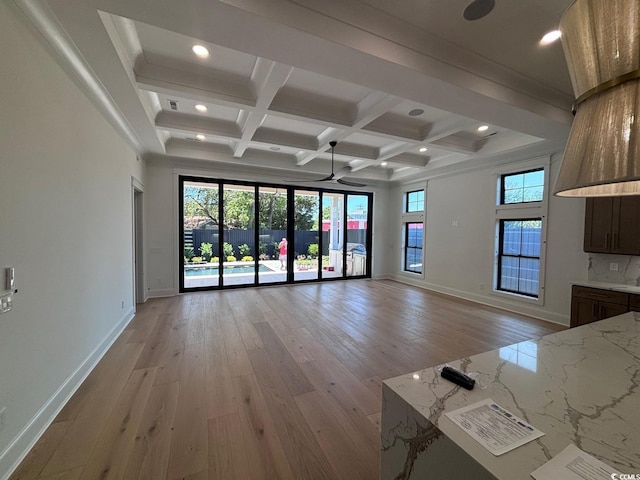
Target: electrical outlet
column 6, row 302
column 2, row 410
column 613, row 267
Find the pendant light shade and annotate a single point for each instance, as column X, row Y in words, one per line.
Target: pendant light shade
column 601, row 41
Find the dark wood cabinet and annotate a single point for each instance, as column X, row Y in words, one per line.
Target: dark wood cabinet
column 612, row 225
column 634, row 302
column 592, row 304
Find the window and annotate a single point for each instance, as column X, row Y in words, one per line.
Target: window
column 522, row 187
column 413, row 231
column 413, row 247
column 520, row 233
column 519, row 266
column 232, row 233
column 415, row 201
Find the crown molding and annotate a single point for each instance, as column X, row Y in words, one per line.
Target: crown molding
column 46, row 23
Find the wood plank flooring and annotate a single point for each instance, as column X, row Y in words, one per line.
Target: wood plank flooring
column 270, row 383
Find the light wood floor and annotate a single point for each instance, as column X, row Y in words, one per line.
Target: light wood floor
column 268, row 383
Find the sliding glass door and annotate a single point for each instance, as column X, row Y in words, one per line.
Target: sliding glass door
column 272, row 235
column 200, row 234
column 242, row 233
column 357, row 232
column 306, row 235
column 333, row 235
column 238, row 247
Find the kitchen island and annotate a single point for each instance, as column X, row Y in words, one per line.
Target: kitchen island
column 580, row 386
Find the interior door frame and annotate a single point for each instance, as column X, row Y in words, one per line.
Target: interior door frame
column 139, row 260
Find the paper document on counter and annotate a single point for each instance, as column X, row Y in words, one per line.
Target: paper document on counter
column 493, row 427
column 573, row 464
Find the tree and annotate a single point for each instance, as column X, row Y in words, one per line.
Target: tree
column 238, row 209
column 306, row 212
column 239, row 212
column 273, row 211
column 201, row 201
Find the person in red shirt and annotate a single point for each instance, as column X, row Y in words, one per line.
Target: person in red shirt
column 282, row 246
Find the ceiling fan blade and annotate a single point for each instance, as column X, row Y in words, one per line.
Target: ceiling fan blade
column 343, row 172
column 325, row 179
column 350, row 184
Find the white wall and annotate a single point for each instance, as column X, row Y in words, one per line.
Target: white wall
column 460, row 259
column 161, row 189
column 66, row 227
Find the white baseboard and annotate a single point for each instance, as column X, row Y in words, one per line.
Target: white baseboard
column 159, row 293
column 18, row 448
column 491, row 301
column 382, row 276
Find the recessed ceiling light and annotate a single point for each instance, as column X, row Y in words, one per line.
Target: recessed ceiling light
column 483, row 128
column 201, row 108
column 384, row 164
column 200, row 137
column 275, row 149
column 422, row 149
column 416, row 112
column 201, row 51
column 550, row 37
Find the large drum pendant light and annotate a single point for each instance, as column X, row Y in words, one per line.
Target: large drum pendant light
column 601, row 41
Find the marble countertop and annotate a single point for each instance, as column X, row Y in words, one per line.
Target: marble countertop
column 579, row 386
column 616, row 287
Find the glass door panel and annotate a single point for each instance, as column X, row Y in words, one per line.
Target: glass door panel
column 332, row 234
column 306, row 235
column 272, row 221
column 357, row 215
column 201, row 240
column 238, row 249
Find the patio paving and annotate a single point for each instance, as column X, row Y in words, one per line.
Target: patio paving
column 274, row 276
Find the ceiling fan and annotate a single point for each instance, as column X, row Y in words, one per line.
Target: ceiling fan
column 337, row 176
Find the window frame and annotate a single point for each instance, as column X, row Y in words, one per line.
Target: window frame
column 501, row 255
column 521, row 211
column 181, row 177
column 502, row 186
column 407, row 202
column 409, row 217
column 405, row 267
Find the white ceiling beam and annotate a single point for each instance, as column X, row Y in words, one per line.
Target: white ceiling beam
column 328, row 135
column 179, row 122
column 449, row 127
column 156, row 78
column 374, row 106
column 268, row 77
column 393, row 153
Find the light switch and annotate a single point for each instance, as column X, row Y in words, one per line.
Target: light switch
column 10, row 283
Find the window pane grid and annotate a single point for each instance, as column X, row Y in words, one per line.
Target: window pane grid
column 519, row 256
column 522, row 187
column 413, row 247
column 415, row 201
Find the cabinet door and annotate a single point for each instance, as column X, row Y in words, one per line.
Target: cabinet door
column 597, row 224
column 583, row 311
column 634, row 303
column 606, row 310
column 625, row 226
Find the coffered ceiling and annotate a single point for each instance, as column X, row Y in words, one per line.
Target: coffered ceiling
column 387, row 80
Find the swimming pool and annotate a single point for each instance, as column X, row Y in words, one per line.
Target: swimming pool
column 195, row 271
